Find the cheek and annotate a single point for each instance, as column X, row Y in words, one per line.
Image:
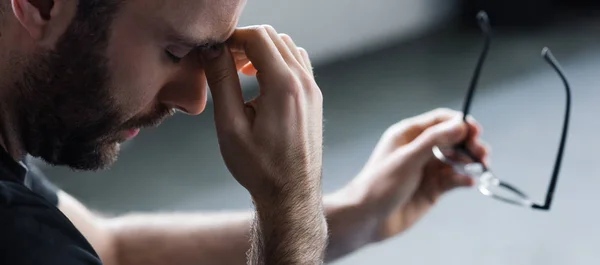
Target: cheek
column 135, row 84
column 136, row 77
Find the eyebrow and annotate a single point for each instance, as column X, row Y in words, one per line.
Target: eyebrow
column 191, row 42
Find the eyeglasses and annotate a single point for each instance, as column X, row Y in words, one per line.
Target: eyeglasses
column 464, row 162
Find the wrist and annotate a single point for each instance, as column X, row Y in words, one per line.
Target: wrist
column 292, row 228
column 351, row 222
column 292, row 194
column 294, row 203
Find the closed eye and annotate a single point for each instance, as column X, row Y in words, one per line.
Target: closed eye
column 173, row 57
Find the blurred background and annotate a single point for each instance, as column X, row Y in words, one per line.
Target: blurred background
column 381, row 61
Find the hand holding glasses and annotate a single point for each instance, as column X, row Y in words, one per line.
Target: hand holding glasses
column 464, row 162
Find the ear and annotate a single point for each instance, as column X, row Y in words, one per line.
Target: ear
column 44, row 20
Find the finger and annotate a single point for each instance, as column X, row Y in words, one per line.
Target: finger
column 224, row 84
column 440, row 178
column 459, row 180
column 306, row 60
column 447, row 133
column 409, row 129
column 423, row 121
column 286, row 52
column 240, row 59
column 249, row 69
column 293, row 49
column 480, row 150
column 243, row 64
column 449, row 179
column 475, row 128
column 256, row 43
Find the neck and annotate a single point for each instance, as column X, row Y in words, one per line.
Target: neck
column 12, row 61
column 9, row 137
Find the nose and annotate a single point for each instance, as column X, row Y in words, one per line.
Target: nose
column 187, row 91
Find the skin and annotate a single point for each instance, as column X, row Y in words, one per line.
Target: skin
column 86, row 93
column 398, row 185
column 272, row 144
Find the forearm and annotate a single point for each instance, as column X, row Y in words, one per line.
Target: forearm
column 183, row 239
column 220, row 238
column 289, row 229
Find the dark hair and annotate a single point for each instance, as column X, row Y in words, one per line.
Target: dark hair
column 93, row 19
column 96, row 8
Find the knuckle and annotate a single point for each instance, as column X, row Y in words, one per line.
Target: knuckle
column 250, row 30
column 425, row 137
column 293, row 85
column 256, row 32
column 445, row 112
column 318, row 94
column 261, row 32
column 268, row 28
column 303, row 52
column 310, row 87
column 402, row 130
column 285, row 37
column 299, row 69
column 440, row 111
column 308, row 81
column 296, row 91
column 231, row 130
column 398, row 128
column 305, row 77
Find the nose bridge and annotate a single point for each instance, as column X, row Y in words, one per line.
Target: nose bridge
column 186, row 90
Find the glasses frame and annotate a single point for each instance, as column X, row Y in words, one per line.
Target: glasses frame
column 487, row 177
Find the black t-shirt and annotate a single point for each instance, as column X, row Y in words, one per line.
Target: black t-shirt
column 32, row 229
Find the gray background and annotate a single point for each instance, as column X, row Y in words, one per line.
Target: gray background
column 520, row 104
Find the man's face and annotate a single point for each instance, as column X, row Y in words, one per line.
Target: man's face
column 106, row 78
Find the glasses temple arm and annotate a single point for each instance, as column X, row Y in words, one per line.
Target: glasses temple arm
column 484, row 25
column 547, row 54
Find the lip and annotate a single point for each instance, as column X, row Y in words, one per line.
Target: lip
column 131, row 133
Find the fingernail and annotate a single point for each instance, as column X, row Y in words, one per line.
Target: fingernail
column 212, row 52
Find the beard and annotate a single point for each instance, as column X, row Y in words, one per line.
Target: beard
column 66, row 112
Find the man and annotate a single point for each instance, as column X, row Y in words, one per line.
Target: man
column 79, row 77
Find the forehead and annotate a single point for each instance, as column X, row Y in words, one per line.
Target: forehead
column 193, row 18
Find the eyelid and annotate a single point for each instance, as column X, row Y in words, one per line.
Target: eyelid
column 178, row 51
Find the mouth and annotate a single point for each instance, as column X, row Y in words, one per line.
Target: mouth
column 130, row 133
column 133, row 129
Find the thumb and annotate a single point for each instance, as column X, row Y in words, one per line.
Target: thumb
column 224, row 83
column 444, row 134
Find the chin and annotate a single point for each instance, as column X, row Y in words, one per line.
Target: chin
column 99, row 157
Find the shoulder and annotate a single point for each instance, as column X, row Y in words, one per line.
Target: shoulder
column 29, row 224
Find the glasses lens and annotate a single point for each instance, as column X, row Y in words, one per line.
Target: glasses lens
column 491, row 186
column 462, row 162
column 486, row 182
